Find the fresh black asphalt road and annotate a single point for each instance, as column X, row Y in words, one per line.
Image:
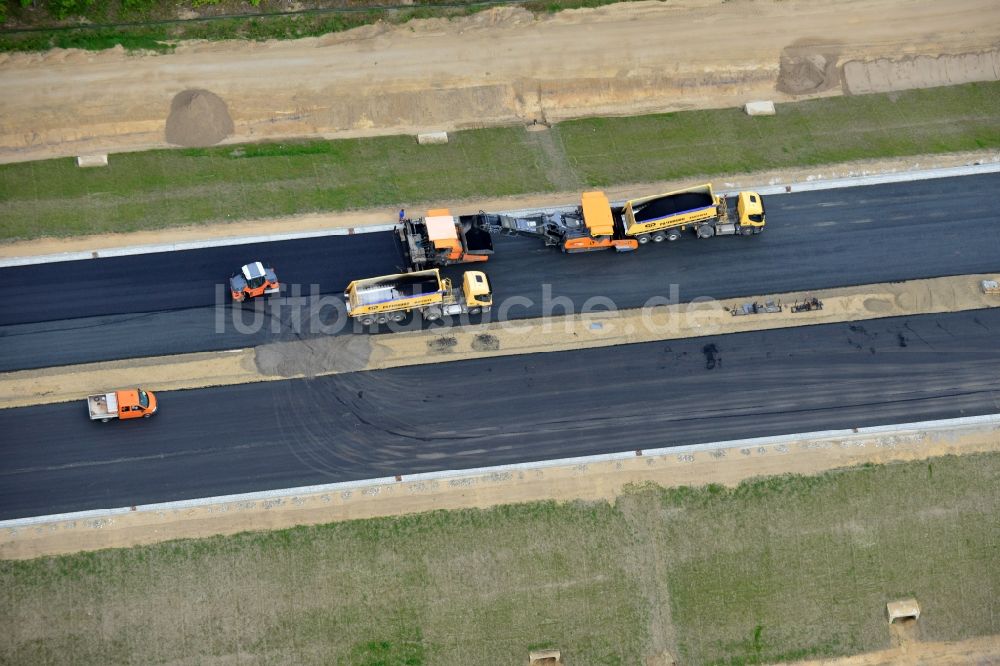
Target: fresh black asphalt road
column 83, row 311
column 502, row 410
column 186, row 279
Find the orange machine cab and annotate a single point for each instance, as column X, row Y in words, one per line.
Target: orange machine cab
column 253, row 280
column 443, row 232
column 600, row 225
column 136, row 404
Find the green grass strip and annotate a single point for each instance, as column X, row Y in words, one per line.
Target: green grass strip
column 607, row 151
column 166, row 188
column 151, row 25
column 775, row 569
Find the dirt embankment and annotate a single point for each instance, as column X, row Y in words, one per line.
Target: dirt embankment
column 501, row 66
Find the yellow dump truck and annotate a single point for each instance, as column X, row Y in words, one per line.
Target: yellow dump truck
column 664, row 216
column 379, row 300
column 597, row 225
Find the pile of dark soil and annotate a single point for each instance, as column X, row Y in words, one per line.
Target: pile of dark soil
column 801, row 74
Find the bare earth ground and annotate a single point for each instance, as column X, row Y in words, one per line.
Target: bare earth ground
column 380, row 216
column 500, row 66
column 979, row 651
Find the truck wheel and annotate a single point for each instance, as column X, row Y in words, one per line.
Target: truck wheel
column 642, row 238
column 673, row 235
column 706, row 231
column 382, row 319
column 475, row 311
column 746, row 231
column 398, row 316
column 146, row 416
column 105, row 420
column 367, row 321
column 658, row 237
column 431, row 316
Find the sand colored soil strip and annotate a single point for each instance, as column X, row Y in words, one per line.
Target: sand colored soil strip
column 886, row 74
column 164, row 373
column 351, row 353
column 500, row 66
column 980, row 650
column 585, row 479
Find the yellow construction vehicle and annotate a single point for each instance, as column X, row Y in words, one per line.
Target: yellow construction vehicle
column 441, row 239
column 665, row 216
column 597, row 225
column 379, row 300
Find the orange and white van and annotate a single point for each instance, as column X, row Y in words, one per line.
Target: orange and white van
column 128, row 404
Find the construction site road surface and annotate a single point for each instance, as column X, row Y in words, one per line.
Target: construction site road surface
column 494, row 411
column 153, row 304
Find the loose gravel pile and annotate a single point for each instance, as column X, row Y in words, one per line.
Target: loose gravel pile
column 198, row 118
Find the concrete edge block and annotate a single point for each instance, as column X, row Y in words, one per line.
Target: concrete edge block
column 429, row 138
column 763, row 108
column 92, row 160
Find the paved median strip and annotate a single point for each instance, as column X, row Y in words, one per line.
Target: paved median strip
column 340, row 354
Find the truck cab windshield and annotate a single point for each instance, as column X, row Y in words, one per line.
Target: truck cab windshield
column 143, row 399
column 256, row 282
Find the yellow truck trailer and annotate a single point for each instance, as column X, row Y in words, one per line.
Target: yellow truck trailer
column 386, row 298
column 597, row 225
column 664, row 216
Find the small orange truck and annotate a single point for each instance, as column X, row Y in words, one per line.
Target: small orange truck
column 127, row 404
column 253, row 280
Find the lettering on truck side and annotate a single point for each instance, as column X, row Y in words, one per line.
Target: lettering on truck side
column 383, row 306
column 677, row 219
